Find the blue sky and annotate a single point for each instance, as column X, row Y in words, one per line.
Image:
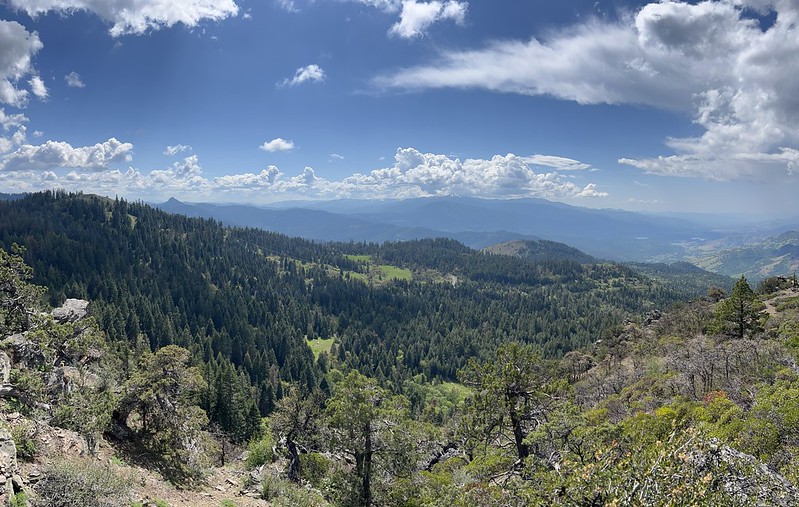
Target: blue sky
column 666, row 106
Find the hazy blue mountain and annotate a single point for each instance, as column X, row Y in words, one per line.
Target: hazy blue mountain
column 604, row 233
column 327, row 226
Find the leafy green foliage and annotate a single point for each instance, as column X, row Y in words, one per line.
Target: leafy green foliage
column 165, row 279
column 260, row 452
column 296, row 421
column 513, row 394
column 87, row 409
column 24, row 435
column 315, row 467
column 559, row 403
column 371, row 426
column 18, row 500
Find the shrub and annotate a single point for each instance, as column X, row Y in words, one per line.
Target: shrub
column 18, row 500
column 279, row 492
column 314, row 468
column 81, row 482
column 271, row 487
column 260, row 452
column 24, row 435
column 295, row 496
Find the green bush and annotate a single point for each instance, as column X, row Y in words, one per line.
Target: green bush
column 24, row 435
column 18, row 500
column 314, row 468
column 280, row 492
column 272, row 487
column 260, row 452
column 81, row 482
column 296, row 496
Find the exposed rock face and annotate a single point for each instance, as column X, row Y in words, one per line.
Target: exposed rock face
column 5, row 368
column 23, row 350
column 744, row 478
column 65, row 379
column 72, row 310
column 9, row 473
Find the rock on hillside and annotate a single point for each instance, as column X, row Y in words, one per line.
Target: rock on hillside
column 743, row 478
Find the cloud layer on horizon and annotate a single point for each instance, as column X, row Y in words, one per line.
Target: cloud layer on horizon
column 413, row 174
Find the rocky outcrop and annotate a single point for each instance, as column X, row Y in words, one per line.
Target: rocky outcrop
column 10, row 481
column 23, row 350
column 71, row 311
column 5, row 368
column 65, row 379
column 743, row 478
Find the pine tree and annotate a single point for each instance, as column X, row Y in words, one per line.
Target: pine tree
column 742, row 310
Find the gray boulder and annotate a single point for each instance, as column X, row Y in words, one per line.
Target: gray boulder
column 72, row 310
column 743, row 478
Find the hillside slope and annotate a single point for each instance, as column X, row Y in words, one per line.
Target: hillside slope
column 772, row 256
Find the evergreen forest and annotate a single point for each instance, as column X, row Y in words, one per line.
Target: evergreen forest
column 404, row 373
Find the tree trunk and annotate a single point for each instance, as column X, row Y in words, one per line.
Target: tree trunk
column 294, row 459
column 518, row 436
column 363, row 465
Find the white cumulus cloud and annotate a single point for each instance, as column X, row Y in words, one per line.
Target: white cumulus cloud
column 38, row 87
column 710, row 59
column 417, row 174
column 58, row 154
column 174, row 150
column 73, row 79
column 17, row 49
column 9, row 121
column 136, row 16
column 417, row 17
column 313, row 73
column 277, row 144
column 288, row 5
column 412, row 174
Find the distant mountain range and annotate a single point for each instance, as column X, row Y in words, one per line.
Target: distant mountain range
column 771, row 256
column 732, row 247
column 604, row 233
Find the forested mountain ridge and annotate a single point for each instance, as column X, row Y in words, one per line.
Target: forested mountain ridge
column 252, row 297
column 540, row 250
